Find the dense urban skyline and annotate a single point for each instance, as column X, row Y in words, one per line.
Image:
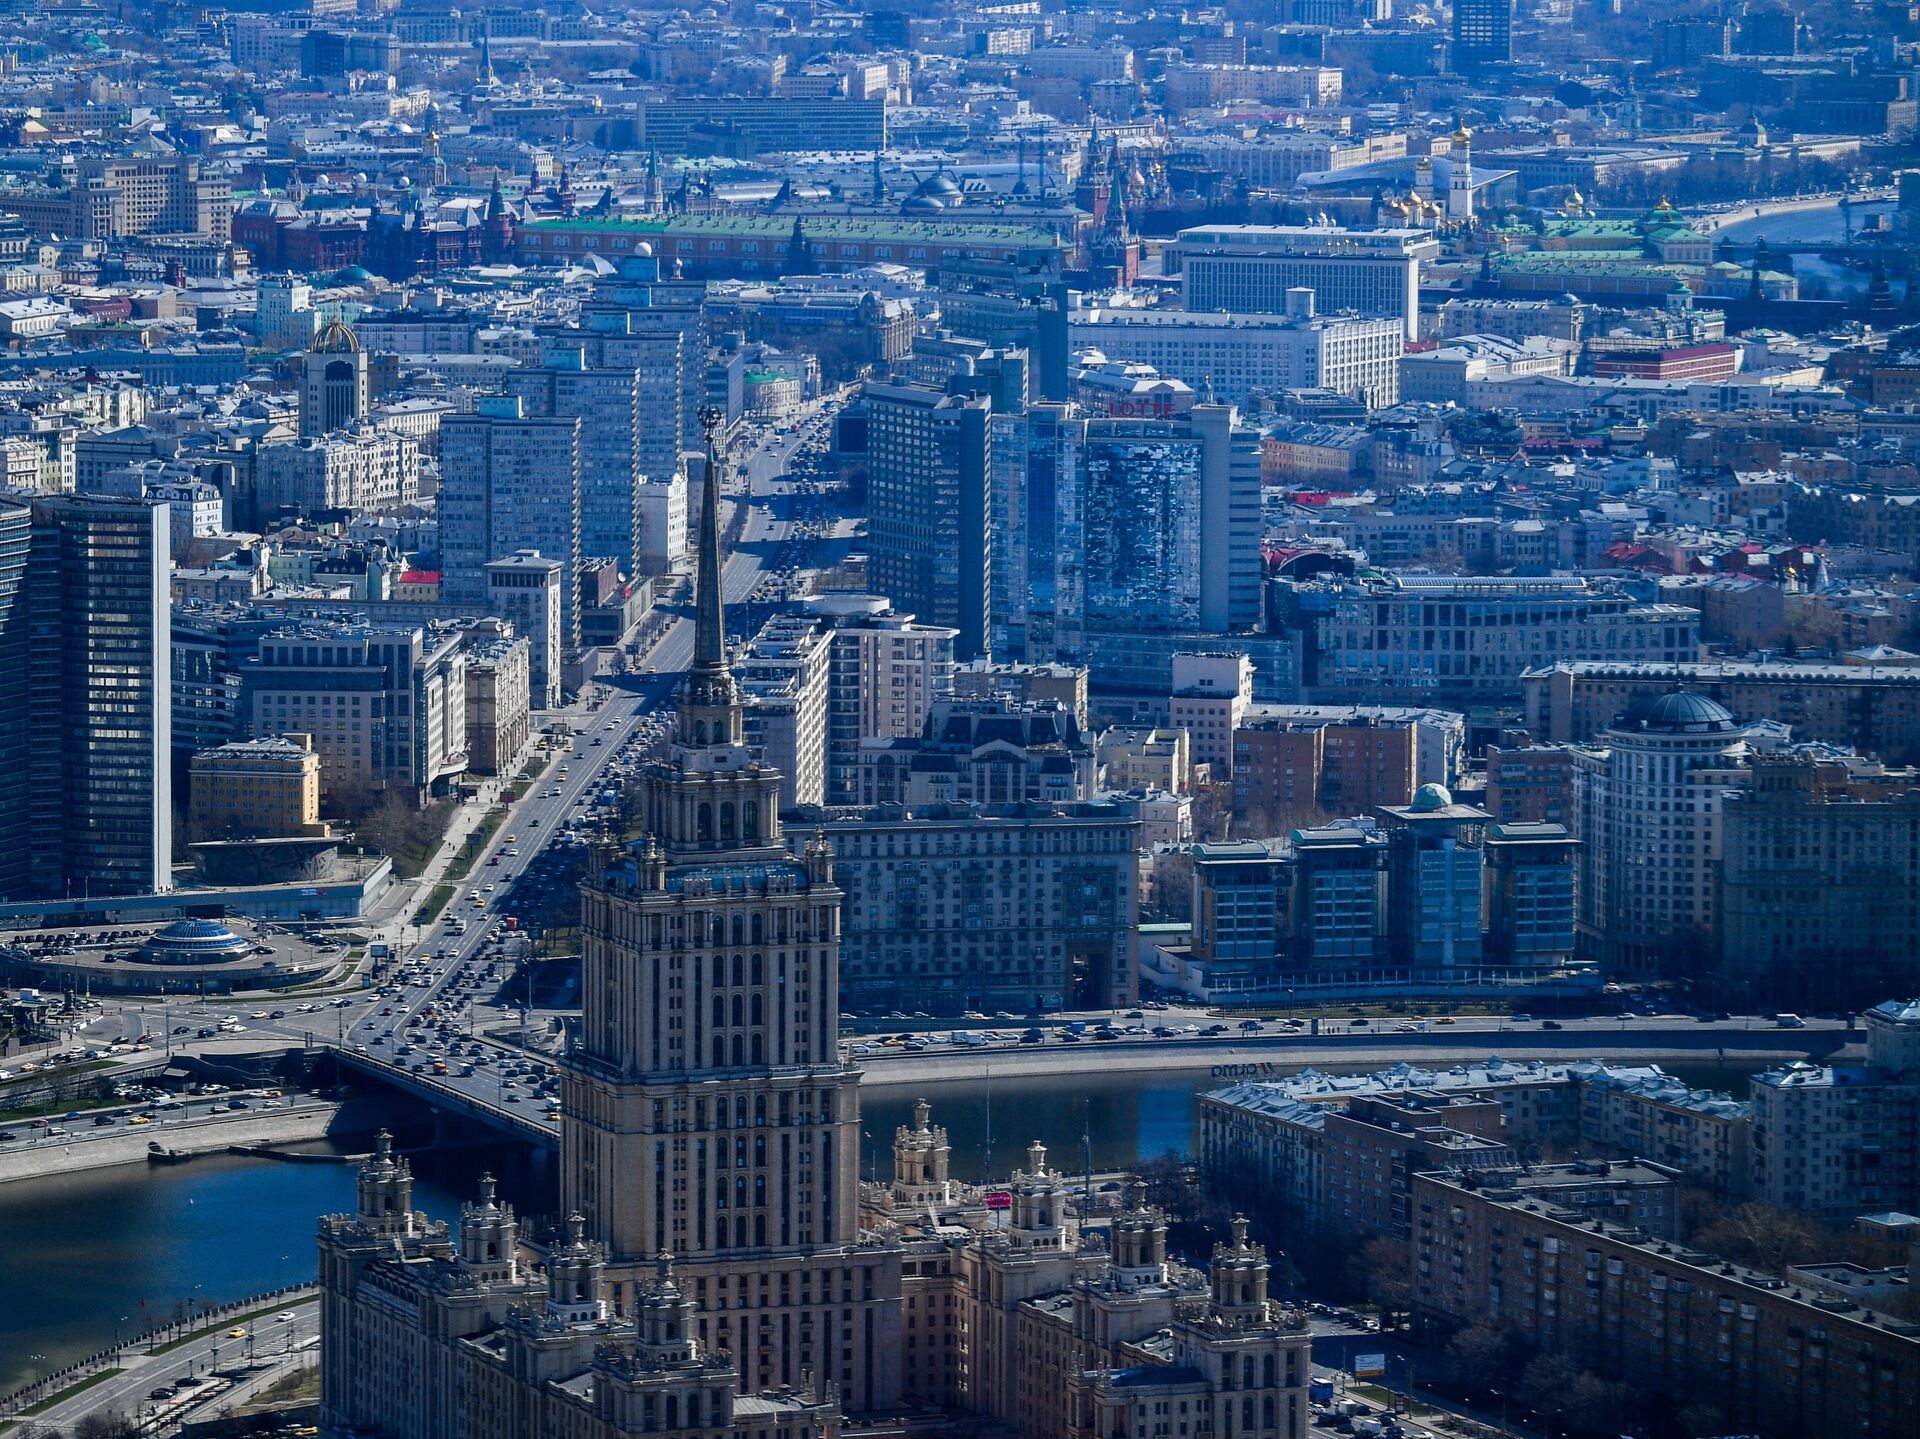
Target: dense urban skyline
column 591, row 597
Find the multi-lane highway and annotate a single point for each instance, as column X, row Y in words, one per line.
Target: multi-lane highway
column 193, row 1377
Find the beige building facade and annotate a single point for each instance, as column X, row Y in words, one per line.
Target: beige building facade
column 257, row 789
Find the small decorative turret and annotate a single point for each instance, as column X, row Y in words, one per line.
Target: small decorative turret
column 819, row 858
column 1039, row 1200
column 1140, row 1237
column 489, row 1237
column 920, row 1159
column 386, row 1190
column 574, row 1272
column 663, row 1318
column 1240, row 1276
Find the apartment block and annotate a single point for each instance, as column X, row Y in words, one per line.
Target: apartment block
column 1820, row 880
column 1135, row 757
column 1872, row 709
column 786, row 673
column 526, row 587
column 1250, row 268
column 1580, row 1261
column 508, row 482
column 985, row 907
column 1238, row 356
column 1456, row 639
column 93, row 695
column 386, row 706
column 1842, row 1140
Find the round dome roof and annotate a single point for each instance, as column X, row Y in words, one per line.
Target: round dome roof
column 192, row 941
column 1432, row 797
column 351, row 275
column 1677, row 712
column 196, row 931
column 336, row 337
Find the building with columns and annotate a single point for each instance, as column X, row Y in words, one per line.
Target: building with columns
column 722, row 1268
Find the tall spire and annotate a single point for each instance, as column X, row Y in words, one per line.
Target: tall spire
column 709, row 623
column 710, row 711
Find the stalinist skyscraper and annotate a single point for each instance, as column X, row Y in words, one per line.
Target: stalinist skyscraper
column 707, row 1114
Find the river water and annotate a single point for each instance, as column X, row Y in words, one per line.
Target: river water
column 1819, row 277
column 86, row 1253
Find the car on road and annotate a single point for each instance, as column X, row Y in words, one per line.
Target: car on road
column 160, row 1393
column 237, row 1332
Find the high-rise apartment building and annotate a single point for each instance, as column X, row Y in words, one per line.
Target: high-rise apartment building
column 1482, row 33
column 1035, row 489
column 99, row 697
column 1649, row 796
column 1169, row 535
column 1011, row 304
column 1212, row 692
column 929, row 456
column 608, row 403
column 786, row 673
column 508, row 482
column 1435, row 865
column 638, row 303
column 1528, row 914
column 1104, row 530
column 1252, row 269
column 16, row 827
column 825, row 683
column 1819, row 881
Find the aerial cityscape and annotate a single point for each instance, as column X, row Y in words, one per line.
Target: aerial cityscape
column 1034, row 719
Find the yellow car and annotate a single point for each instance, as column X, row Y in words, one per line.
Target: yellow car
column 236, row 1333
column 512, row 837
column 139, row 1119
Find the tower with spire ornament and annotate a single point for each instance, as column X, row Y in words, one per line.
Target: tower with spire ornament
column 706, row 1109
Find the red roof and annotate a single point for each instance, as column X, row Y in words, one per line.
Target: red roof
column 420, row 577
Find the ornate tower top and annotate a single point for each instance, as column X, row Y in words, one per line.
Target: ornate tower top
column 1240, row 1276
